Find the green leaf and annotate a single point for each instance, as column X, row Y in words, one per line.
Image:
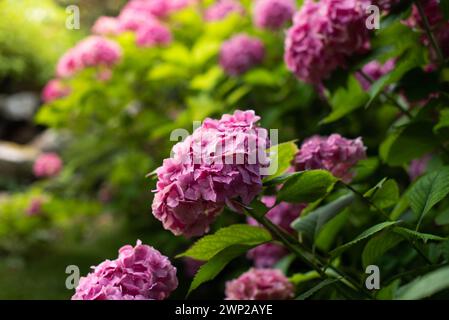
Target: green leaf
column 214, row 266
column 377, row 246
column 444, row 119
column 425, row 286
column 400, row 207
column 261, row 77
column 410, row 142
column 346, row 99
column 411, row 59
column 428, row 191
column 307, row 186
column 364, row 235
column 412, row 234
column 373, row 190
column 206, row 81
column 316, row 288
column 311, row 224
column 387, row 195
column 298, row 278
column 365, row 168
column 284, row 263
column 442, row 218
column 210, row 245
column 281, row 157
column 329, row 232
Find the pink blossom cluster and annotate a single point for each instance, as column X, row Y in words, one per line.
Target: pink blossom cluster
column 144, row 17
column 139, row 273
column 374, row 70
column 241, row 53
column 333, row 153
column 418, row 166
column 93, row 51
column 273, row 14
column 221, row 9
column 324, row 34
column 221, row 161
column 53, row 90
column 47, row 165
column 260, row 284
column 282, row 215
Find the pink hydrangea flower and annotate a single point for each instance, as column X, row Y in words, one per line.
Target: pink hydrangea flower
column 90, row 52
column 106, row 26
column 375, row 70
column 35, row 207
column 418, row 167
column 47, row 165
column 241, row 53
column 96, row 50
column 273, row 14
column 152, row 34
column 267, row 255
column 282, row 215
column 260, row 284
column 68, row 64
column 53, row 90
column 221, row 9
column 221, row 161
column 155, row 8
column 139, row 273
column 324, row 34
column 333, row 153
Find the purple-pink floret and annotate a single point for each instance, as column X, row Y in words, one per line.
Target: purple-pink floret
column 90, row 52
column 282, row 215
column 273, row 14
column 418, row 166
column 53, row 90
column 106, row 26
column 324, row 34
column 260, row 284
column 333, row 153
column 374, row 70
column 35, row 207
column 47, row 165
column 139, row 273
column 221, row 9
column 241, row 53
column 221, row 161
column 152, row 34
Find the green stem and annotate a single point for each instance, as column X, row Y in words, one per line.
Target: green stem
column 387, row 96
column 293, row 245
column 387, row 217
column 428, row 30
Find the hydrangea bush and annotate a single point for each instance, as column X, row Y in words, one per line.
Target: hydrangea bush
column 169, row 108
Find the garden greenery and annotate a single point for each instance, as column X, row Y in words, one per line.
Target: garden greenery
column 362, row 175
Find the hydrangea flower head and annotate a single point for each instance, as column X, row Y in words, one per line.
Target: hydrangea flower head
column 324, row 34
column 221, row 161
column 47, row 165
column 106, row 26
column 153, row 33
column 260, row 284
column 333, row 153
column 53, row 90
column 90, row 52
column 155, row 8
column 221, row 9
column 241, row 53
column 273, row 14
column 139, row 273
